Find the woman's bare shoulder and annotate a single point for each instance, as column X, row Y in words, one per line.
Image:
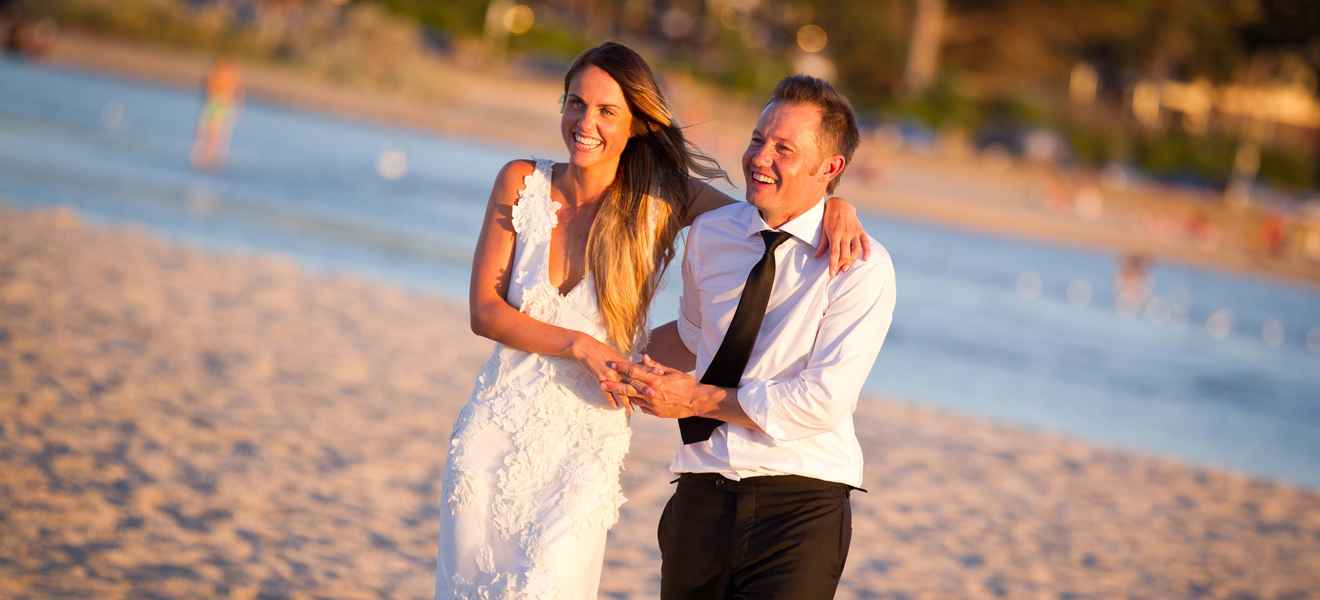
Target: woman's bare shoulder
column 510, row 179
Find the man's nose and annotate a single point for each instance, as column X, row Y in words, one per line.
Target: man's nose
column 761, row 156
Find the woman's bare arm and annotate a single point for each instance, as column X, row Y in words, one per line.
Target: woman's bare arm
column 705, row 198
column 491, row 314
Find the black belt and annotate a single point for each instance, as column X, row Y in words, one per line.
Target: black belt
column 767, row 482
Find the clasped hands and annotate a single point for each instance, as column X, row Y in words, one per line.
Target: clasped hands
column 656, row 389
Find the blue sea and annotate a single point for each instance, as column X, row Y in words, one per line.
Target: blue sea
column 1016, row 331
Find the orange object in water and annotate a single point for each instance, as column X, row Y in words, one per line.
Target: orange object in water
column 222, row 83
column 222, row 89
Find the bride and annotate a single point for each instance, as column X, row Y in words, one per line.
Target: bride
column 566, row 266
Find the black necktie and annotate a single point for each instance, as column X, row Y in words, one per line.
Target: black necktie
column 726, row 368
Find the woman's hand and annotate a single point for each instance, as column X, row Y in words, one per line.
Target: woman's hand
column 656, row 389
column 845, row 240
column 596, row 357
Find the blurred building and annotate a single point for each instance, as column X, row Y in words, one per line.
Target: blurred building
column 1286, row 111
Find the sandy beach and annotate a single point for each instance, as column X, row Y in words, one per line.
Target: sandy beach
column 182, row 424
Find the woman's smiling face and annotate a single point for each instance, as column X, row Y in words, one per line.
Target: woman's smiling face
column 596, row 122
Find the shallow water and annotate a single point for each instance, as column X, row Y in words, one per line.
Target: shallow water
column 984, row 325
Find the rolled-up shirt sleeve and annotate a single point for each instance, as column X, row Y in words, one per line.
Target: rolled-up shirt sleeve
column 689, row 304
column 852, row 330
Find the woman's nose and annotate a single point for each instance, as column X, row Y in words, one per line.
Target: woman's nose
column 587, row 122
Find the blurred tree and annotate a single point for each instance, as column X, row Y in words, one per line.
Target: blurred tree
column 1289, row 25
column 464, row 17
column 867, row 42
column 924, row 49
column 1009, row 43
column 1290, row 28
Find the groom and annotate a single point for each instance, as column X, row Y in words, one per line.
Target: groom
column 769, row 454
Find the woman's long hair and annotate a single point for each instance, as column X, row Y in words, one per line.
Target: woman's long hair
column 632, row 239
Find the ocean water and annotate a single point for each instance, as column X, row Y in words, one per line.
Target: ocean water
column 1019, row 332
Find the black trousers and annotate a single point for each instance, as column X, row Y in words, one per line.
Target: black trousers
column 762, row 538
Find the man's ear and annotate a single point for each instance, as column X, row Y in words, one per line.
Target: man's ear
column 833, row 167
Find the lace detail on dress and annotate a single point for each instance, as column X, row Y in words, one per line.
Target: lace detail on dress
column 559, row 481
column 535, row 214
column 534, row 462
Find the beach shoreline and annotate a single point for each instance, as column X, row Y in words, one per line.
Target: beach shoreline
column 185, row 423
column 508, row 107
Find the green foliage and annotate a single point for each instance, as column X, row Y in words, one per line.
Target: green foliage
column 941, row 105
column 1207, row 158
column 1288, row 168
column 1096, row 146
column 1175, row 154
column 163, row 21
column 550, row 40
column 465, row 17
column 1014, row 109
column 735, row 66
column 944, row 105
column 868, row 44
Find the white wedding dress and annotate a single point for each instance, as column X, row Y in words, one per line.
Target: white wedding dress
column 532, row 483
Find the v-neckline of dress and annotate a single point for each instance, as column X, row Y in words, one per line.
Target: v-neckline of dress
column 550, row 243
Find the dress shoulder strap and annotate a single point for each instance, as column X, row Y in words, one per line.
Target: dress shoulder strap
column 535, row 214
column 545, row 168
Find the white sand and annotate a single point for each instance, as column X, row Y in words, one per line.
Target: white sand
column 179, row 424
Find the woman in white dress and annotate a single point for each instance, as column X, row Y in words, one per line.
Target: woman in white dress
column 568, row 260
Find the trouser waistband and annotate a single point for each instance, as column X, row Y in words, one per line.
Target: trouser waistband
column 767, row 482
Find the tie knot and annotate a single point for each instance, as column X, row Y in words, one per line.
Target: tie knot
column 774, row 238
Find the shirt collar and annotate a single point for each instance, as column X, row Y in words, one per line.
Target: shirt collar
column 805, row 227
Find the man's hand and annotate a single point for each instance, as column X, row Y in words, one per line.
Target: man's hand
column 669, row 394
column 659, row 390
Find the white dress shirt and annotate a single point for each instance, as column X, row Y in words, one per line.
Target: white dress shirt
column 817, row 343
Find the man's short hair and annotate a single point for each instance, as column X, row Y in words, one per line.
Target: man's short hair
column 838, row 124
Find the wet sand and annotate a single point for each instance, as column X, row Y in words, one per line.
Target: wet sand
column 179, row 424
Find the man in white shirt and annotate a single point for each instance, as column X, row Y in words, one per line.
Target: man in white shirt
column 770, row 455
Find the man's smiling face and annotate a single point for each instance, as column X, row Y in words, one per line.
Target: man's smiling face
column 783, row 162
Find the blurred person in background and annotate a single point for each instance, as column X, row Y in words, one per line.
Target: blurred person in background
column 566, row 265
column 1132, row 282
column 221, row 95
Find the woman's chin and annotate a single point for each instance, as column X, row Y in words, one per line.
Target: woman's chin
column 579, row 158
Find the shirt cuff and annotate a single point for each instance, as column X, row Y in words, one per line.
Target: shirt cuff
column 689, row 333
column 754, row 398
